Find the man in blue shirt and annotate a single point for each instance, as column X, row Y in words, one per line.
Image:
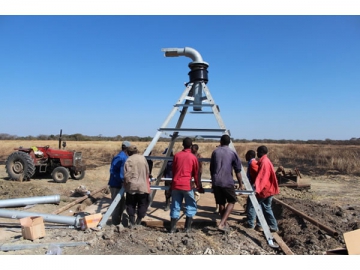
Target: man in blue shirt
column 222, row 164
column 116, row 181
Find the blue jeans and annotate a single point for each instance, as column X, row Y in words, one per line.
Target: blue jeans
column 265, row 204
column 177, row 198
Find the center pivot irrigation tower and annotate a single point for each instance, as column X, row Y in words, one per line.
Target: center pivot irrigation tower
column 197, row 96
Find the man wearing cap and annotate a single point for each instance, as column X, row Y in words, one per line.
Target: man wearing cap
column 137, row 185
column 116, row 180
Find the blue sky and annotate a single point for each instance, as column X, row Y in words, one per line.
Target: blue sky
column 273, row 77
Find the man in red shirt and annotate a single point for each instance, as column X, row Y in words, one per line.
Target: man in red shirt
column 185, row 167
column 253, row 166
column 252, row 171
column 266, row 186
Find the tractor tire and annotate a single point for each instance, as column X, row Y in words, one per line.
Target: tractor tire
column 77, row 176
column 20, row 166
column 60, row 174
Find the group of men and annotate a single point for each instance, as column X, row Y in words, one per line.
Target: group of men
column 131, row 170
column 263, row 180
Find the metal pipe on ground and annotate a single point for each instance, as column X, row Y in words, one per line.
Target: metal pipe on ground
column 313, row 221
column 9, row 247
column 298, row 186
column 30, row 200
column 282, row 244
column 73, row 221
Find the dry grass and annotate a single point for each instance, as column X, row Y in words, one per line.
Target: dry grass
column 317, row 159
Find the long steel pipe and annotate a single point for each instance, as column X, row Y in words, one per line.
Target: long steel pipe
column 30, row 200
column 313, row 221
column 14, row 214
column 9, row 247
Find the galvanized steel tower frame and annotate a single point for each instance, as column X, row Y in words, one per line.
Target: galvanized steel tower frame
column 196, row 95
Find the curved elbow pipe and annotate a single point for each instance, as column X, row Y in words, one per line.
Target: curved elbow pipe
column 187, row 51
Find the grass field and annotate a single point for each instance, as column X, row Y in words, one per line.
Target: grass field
column 314, row 159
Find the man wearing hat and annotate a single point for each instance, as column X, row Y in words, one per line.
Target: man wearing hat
column 116, row 181
column 137, row 185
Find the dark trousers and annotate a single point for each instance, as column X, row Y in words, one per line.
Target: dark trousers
column 137, row 204
column 168, row 192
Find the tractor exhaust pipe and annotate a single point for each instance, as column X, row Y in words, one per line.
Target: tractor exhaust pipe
column 60, row 138
column 29, row 201
column 68, row 220
column 198, row 73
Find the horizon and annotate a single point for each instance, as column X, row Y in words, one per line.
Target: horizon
column 100, row 137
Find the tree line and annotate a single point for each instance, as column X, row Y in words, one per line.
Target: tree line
column 81, row 137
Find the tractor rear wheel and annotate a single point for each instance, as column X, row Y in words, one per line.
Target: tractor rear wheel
column 60, row 174
column 20, row 166
column 77, row 176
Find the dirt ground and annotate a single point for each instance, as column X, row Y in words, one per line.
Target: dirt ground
column 333, row 200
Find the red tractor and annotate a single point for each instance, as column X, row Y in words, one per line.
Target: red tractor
column 22, row 164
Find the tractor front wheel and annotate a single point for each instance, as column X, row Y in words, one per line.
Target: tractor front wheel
column 60, row 174
column 77, row 176
column 20, row 166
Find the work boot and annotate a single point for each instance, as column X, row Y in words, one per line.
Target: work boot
column 167, row 204
column 173, row 225
column 188, row 223
column 131, row 221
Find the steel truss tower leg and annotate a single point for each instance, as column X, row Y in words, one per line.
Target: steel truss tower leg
column 111, row 208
